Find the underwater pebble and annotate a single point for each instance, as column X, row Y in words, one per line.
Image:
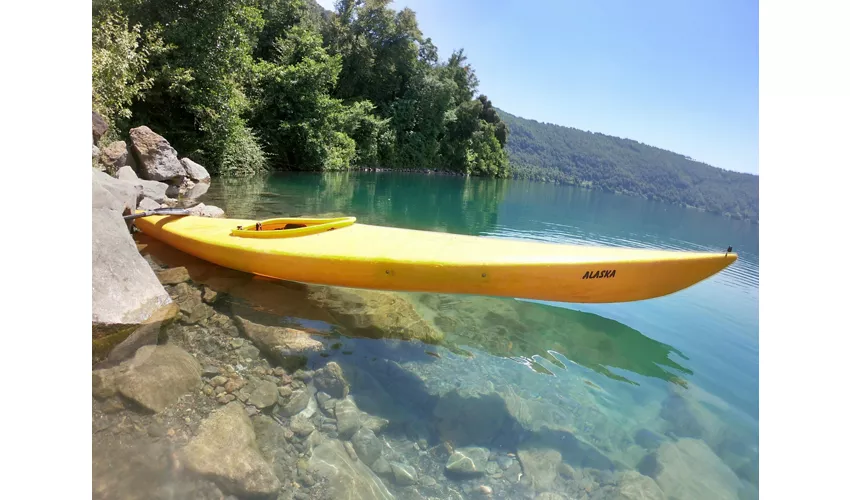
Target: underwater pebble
column 486, row 490
column 210, row 371
column 350, row 449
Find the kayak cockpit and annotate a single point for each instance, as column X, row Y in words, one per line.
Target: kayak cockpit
column 288, row 227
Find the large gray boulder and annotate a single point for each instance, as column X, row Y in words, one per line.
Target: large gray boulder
column 195, row 172
column 125, row 289
column 154, row 190
column 125, row 195
column 157, row 160
column 157, row 191
column 225, row 450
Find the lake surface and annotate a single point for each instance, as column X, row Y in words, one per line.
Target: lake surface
column 254, row 387
column 668, row 386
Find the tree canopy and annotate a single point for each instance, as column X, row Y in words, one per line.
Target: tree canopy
column 251, row 85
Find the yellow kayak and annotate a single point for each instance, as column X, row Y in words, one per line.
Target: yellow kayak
column 342, row 252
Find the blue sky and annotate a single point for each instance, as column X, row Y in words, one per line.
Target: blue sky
column 677, row 74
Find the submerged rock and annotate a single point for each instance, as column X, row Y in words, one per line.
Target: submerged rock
column 191, row 304
column 404, row 474
column 347, row 479
column 105, row 382
column 148, row 333
column 374, row 314
column 173, row 275
column 540, row 465
column 273, row 445
column 348, row 417
column 286, row 346
column 468, row 461
column 263, row 394
column 367, row 446
column 330, row 379
column 688, row 468
column 226, row 451
column 158, row 375
column 633, row 485
column 296, row 402
column 301, row 426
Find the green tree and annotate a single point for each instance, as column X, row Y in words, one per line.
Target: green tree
column 120, row 54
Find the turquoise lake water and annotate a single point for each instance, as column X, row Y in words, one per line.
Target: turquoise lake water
column 612, row 383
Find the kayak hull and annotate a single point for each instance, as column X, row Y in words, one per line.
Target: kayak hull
column 385, row 258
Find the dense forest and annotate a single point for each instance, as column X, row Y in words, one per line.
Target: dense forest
column 566, row 155
column 244, row 86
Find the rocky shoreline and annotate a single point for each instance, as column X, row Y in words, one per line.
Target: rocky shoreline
column 201, row 390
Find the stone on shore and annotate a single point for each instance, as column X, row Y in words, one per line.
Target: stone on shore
column 195, row 172
column 149, row 204
column 125, row 289
column 225, row 450
column 98, row 127
column 124, row 195
column 126, row 173
column 114, row 156
column 202, row 210
column 157, row 160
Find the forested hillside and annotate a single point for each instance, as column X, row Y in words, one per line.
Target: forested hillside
column 244, row 86
column 554, row 153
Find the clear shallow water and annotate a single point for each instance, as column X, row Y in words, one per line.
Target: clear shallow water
column 605, row 383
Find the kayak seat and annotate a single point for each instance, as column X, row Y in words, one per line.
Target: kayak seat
column 291, row 227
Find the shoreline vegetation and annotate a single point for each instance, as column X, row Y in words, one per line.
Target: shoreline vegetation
column 251, row 86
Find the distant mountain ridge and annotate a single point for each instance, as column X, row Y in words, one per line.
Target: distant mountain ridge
column 568, row 155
